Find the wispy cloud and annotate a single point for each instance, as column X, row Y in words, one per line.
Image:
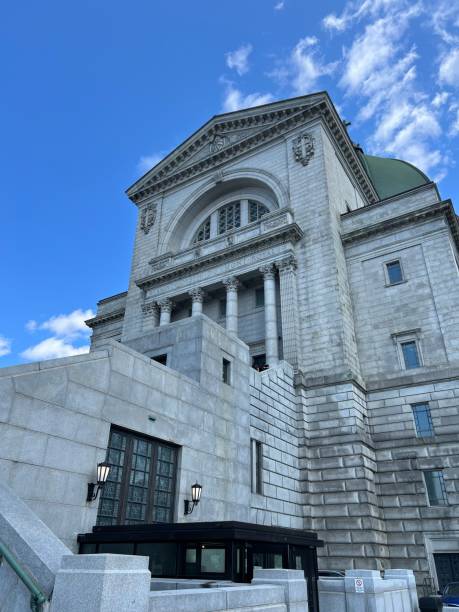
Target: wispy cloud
column 5, row 346
column 234, row 99
column 238, row 60
column 279, row 6
column 69, row 336
column 147, row 162
column 303, row 68
column 449, row 68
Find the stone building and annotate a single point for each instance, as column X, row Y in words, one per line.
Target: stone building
column 289, row 338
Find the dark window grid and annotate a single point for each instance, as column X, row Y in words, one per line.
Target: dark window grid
column 410, row 354
column 259, row 297
column 394, row 272
column 436, row 488
column 203, row 232
column 229, row 217
column 423, row 420
column 114, row 511
column 256, row 211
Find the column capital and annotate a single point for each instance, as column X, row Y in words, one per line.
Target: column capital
column 288, row 264
column 150, row 308
column 268, row 270
column 197, row 294
column 231, row 283
column 166, row 304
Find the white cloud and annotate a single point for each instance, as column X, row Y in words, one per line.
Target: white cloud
column 239, row 59
column 303, row 68
column 52, row 348
column 5, row 346
column 234, row 99
column 440, row 99
column 449, row 68
column 146, row 162
column 68, row 331
column 356, row 10
column 279, row 6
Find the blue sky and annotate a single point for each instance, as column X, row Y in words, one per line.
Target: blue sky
column 93, row 93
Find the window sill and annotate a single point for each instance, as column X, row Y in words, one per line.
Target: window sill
column 402, row 282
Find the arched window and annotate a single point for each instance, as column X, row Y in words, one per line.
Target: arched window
column 256, row 210
column 203, row 232
column 229, row 217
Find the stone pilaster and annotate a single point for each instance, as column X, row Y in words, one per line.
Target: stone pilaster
column 271, row 330
column 232, row 284
column 151, row 315
column 289, row 310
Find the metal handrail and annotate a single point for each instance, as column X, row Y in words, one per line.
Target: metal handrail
column 37, row 596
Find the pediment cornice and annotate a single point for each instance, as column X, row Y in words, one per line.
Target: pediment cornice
column 228, row 136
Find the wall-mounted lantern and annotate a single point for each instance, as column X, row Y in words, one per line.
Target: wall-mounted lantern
column 196, row 490
column 103, row 470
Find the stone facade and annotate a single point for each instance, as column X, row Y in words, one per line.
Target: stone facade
column 266, row 222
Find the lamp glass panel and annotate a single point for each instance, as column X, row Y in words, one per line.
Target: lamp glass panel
column 196, row 492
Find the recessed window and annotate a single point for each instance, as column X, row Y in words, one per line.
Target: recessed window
column 394, row 272
column 423, row 420
column 161, row 358
column 226, row 371
column 259, row 362
column 229, row 217
column 222, row 308
column 256, row 449
column 259, row 297
column 141, row 483
column 410, row 353
column 435, row 487
column 203, row 232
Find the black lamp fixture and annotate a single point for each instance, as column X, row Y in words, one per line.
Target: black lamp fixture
column 196, row 490
column 103, row 470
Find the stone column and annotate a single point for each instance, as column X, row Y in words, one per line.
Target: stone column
column 166, row 305
column 289, row 310
column 231, row 285
column 271, row 331
column 151, row 315
column 197, row 298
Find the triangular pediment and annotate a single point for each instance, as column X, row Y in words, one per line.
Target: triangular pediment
column 229, row 135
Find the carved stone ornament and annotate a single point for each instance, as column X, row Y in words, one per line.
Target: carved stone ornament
column 218, row 143
column 148, row 217
column 303, row 148
column 268, row 271
column 288, row 264
column 197, row 295
column 150, row 308
column 166, row 304
column 231, row 284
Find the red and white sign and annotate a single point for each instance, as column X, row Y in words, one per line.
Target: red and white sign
column 359, row 587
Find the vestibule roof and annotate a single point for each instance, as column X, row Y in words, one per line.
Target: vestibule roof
column 232, row 134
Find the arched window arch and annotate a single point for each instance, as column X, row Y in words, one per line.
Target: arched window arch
column 229, row 217
column 203, row 232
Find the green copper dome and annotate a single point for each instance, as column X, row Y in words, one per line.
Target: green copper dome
column 392, row 176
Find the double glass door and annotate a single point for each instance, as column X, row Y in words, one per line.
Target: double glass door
column 141, row 483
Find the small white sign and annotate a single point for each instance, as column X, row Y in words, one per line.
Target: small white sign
column 359, row 588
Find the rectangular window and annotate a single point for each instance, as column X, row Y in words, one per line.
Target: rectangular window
column 259, row 362
column 256, row 448
column 222, row 308
column 259, row 297
column 435, row 486
column 394, row 272
column 423, row 420
column 226, row 371
column 410, row 354
column 141, row 483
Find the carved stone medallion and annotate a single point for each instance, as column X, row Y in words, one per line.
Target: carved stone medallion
column 148, row 217
column 218, row 143
column 303, row 148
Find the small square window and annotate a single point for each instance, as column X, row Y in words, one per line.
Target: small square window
column 259, row 297
column 410, row 354
column 435, row 486
column 394, row 272
column 423, row 420
column 222, row 308
column 259, row 362
column 226, row 371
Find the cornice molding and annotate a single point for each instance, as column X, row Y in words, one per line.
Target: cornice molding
column 273, row 123
column 105, row 318
column 291, row 232
column 443, row 208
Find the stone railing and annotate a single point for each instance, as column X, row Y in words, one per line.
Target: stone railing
column 268, row 223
